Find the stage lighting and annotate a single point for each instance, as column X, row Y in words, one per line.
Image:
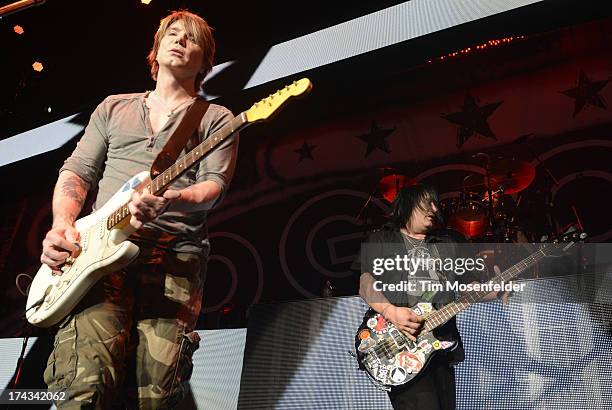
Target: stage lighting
column 37, row 66
column 18, row 29
column 145, row 1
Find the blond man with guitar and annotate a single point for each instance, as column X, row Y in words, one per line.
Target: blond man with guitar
column 130, row 338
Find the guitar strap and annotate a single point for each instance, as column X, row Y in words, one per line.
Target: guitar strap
column 178, row 140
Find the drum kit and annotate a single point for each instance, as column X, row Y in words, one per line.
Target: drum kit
column 485, row 209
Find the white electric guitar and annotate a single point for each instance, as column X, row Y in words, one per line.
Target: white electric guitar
column 104, row 247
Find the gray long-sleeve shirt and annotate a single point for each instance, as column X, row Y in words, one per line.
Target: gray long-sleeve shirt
column 118, row 143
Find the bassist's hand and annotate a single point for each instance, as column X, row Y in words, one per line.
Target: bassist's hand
column 59, row 243
column 405, row 320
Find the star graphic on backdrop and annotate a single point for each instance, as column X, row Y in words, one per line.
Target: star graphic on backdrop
column 376, row 138
column 587, row 92
column 472, row 119
column 305, row 151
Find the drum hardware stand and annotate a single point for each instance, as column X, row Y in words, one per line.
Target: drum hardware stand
column 578, row 221
column 553, row 224
column 490, row 211
column 365, row 205
column 552, row 221
column 360, row 218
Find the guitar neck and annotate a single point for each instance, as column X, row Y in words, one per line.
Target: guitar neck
column 439, row 317
column 158, row 185
column 260, row 111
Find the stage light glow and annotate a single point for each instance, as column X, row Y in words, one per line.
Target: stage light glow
column 18, row 29
column 145, row 1
column 488, row 44
column 37, row 66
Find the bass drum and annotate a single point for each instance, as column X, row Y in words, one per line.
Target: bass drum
column 469, row 218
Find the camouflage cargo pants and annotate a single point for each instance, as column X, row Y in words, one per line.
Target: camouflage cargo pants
column 129, row 343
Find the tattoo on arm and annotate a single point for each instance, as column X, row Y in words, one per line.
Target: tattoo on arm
column 75, row 188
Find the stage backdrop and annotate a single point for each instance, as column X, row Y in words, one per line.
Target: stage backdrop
column 306, row 188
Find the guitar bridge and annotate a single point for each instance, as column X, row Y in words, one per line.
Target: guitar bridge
column 399, row 339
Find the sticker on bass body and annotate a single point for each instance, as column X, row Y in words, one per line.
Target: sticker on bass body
column 409, row 361
column 366, row 344
column 364, row 334
column 425, row 346
column 446, row 344
column 381, row 325
column 436, row 345
column 425, row 307
column 382, row 373
column 398, row 374
column 372, row 322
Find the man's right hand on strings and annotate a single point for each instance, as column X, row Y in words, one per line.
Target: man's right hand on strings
column 405, row 320
column 59, row 243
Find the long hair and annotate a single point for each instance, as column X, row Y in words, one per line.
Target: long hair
column 418, row 196
column 194, row 25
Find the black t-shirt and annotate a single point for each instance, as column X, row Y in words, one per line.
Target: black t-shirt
column 392, row 246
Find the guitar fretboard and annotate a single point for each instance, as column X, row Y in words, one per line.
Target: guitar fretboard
column 443, row 315
column 158, row 185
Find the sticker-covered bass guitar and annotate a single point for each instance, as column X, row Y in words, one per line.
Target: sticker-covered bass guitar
column 390, row 358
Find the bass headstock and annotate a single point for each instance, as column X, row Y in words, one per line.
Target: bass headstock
column 557, row 245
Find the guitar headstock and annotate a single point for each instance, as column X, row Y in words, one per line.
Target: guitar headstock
column 263, row 109
column 559, row 244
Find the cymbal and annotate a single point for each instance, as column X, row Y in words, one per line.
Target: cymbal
column 390, row 185
column 512, row 175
